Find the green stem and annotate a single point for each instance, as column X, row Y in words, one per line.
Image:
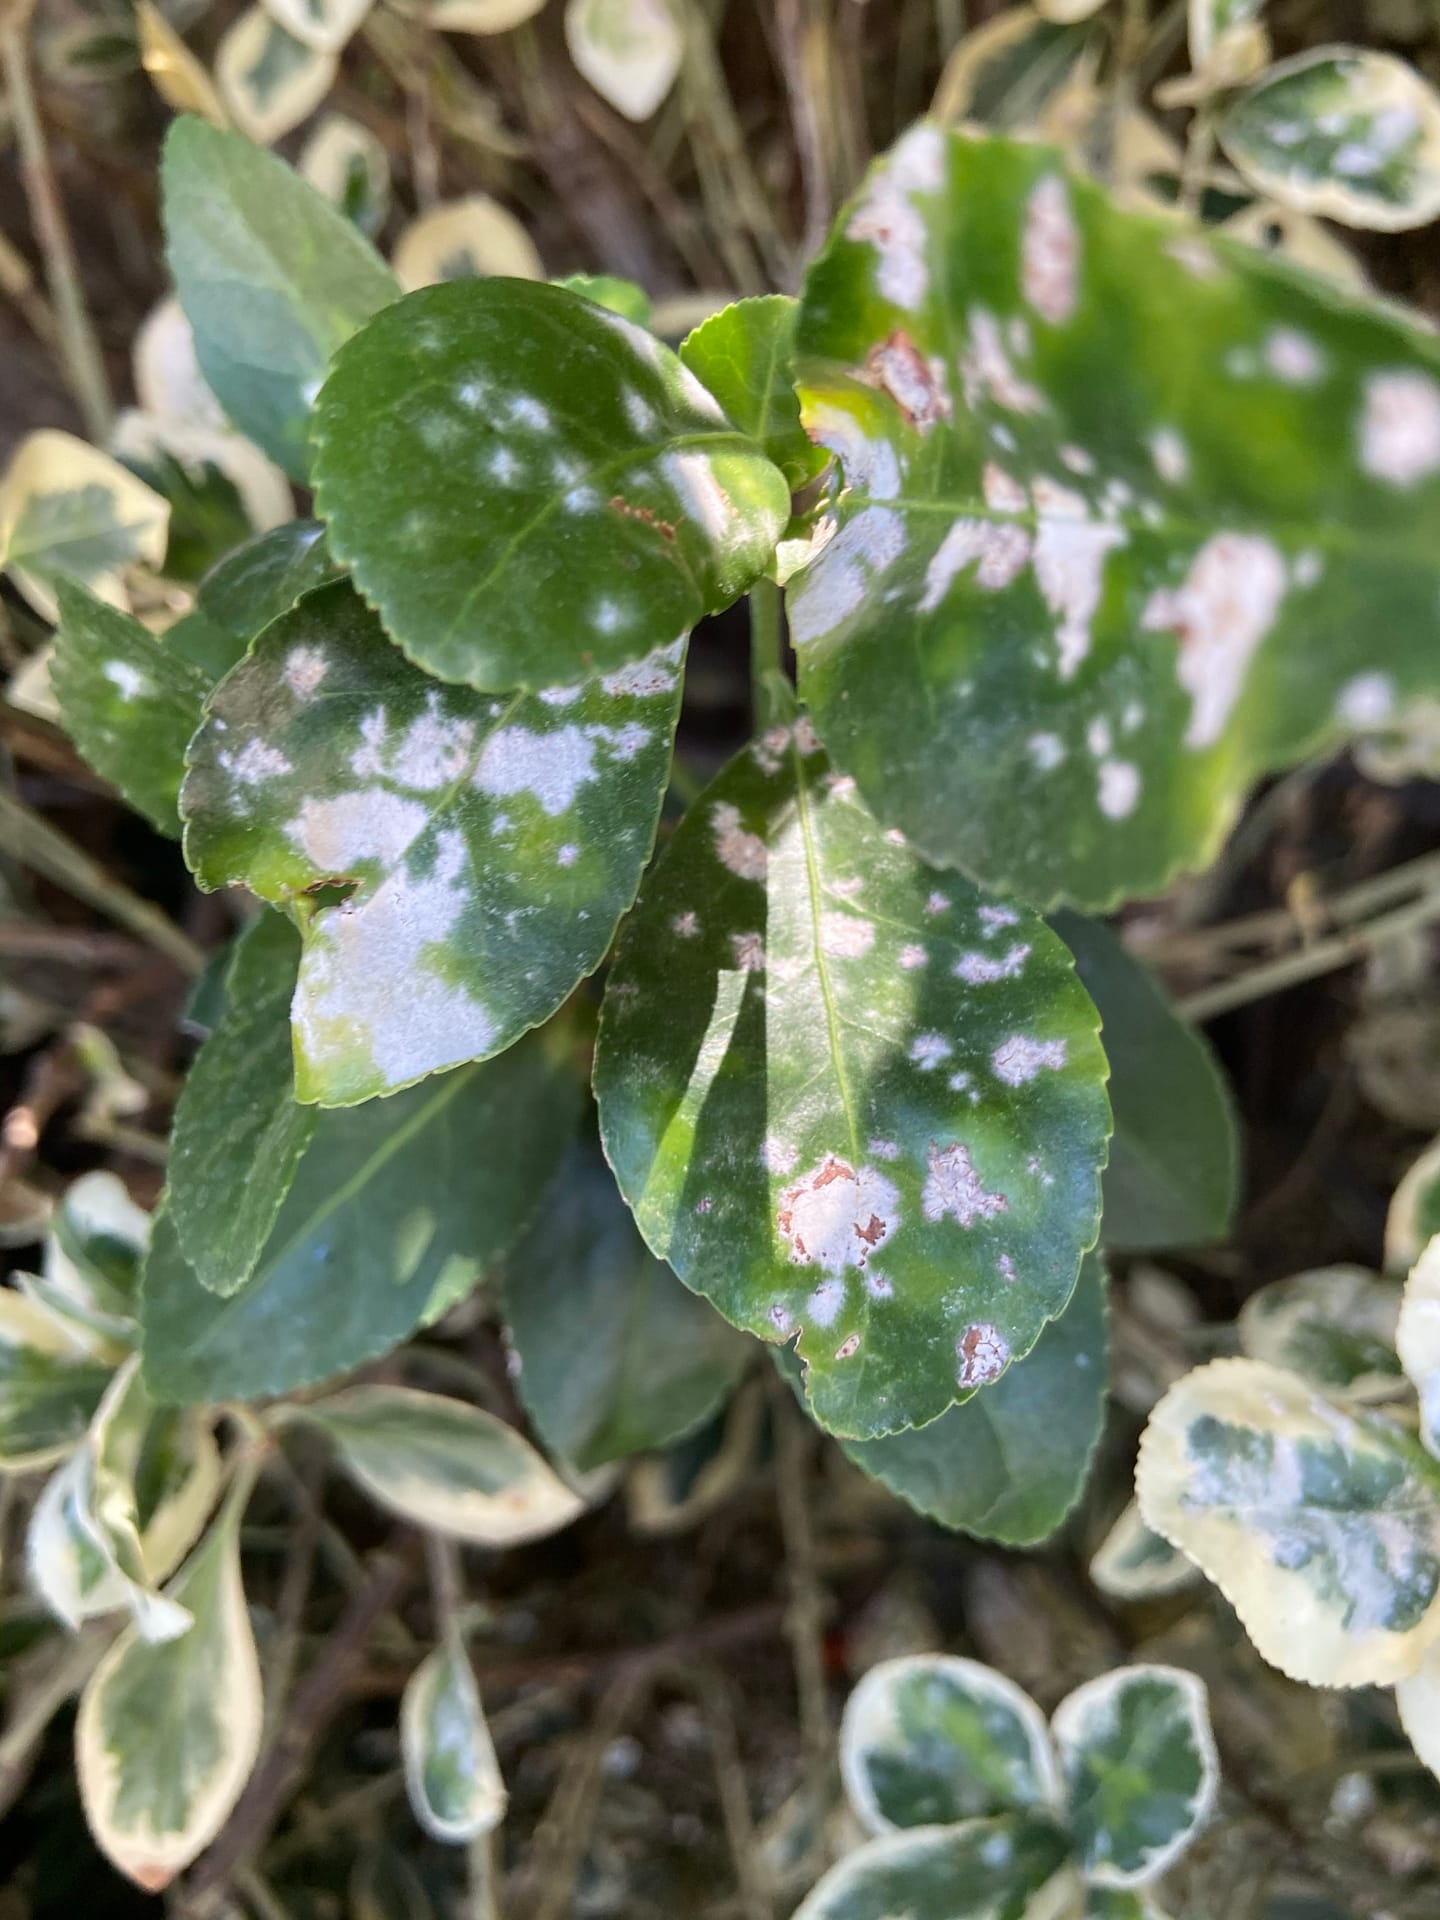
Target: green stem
column 767, row 651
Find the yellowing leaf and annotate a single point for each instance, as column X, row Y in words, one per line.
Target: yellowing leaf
column 463, row 239
column 1297, row 238
column 269, row 80
column 1321, row 1527
column 178, row 76
column 1067, row 13
column 629, row 50
column 68, row 510
column 443, row 1464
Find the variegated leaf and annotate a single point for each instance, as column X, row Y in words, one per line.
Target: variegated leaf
column 1140, row 1765
column 1210, row 20
column 178, row 75
column 456, row 861
column 1320, row 1526
column 1417, row 1695
column 850, row 1099
column 70, row 512
column 443, row 1464
column 93, row 1257
column 51, row 1382
column 1006, row 1869
column 1334, row 1327
column 1115, row 493
column 1417, row 1340
column 128, row 701
column 609, row 503
column 1344, row 132
column 269, row 80
column 347, row 162
column 451, row 1772
column 930, row 1740
column 1414, row 1216
column 666, row 1493
column 462, row 239
column 479, row 16
column 1006, row 72
column 167, row 1734
column 220, row 488
column 168, row 382
column 1133, row 1563
column 629, row 50
column 742, row 355
column 272, row 279
column 323, row 24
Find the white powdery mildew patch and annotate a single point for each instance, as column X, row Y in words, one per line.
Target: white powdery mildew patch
column 980, row 969
column 1171, row 456
column 768, row 751
column 1400, row 428
column 884, row 1149
column 919, row 387
column 1050, row 252
column 639, row 412
column 987, row 373
column 912, row 956
column 645, row 679
column 749, row 951
column 834, row 1217
column 1366, row 701
column 567, row 855
column 889, row 220
column 983, row 1354
column 525, row 411
column 255, row 763
column 993, row 918
column 338, row 833
column 1003, row 492
column 1021, row 1058
column 128, row 679
column 838, row 582
column 1046, row 750
column 701, row 495
column 1001, row 547
column 823, row 1306
column 305, row 671
column 927, row 1050
column 777, row 1156
column 936, row 903
column 687, row 925
column 1293, row 357
column 743, row 853
column 1195, row 257
column 553, row 767
column 434, row 750
column 1070, row 553
column 871, row 466
column 1221, row 612
column 843, row 937
column 954, row 1188
column 1118, row 793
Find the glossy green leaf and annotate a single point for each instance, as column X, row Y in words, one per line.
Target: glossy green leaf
column 443, row 1464
column 1414, row 1216
column 620, row 296
column 1010, row 1462
column 614, row 1357
column 458, row 861
column 1417, row 1341
column 1335, row 1327
column 1174, row 1159
column 742, row 355
column 1343, row 132
column 848, row 1098
column 1133, row 1563
column 606, row 502
column 1140, row 1764
column 50, row 1385
column 451, row 1772
column 248, row 589
column 128, row 702
column 239, row 1133
column 1320, row 1526
column 396, row 1210
column 167, row 1734
column 1127, row 508
column 272, row 279
column 930, row 1740
column 1007, row 1869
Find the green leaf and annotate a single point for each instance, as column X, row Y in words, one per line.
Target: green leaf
column 443, row 1464
column 1132, row 1563
column 981, row 1870
column 167, row 1735
column 1005, row 73
column 457, row 861
column 128, row 702
column 742, row 355
column 1417, row 1341
column 272, row 279
column 632, row 303
column 250, row 588
column 1120, row 1903
column 1343, row 132
column 220, row 488
column 608, row 502
column 1335, row 1327
column 848, row 1098
column 451, row 1773
column 1126, row 510
column 1321, row 1527
column 50, row 1385
column 237, row 1110
column 1414, row 1216
column 1010, row 1462
column 1141, row 1767
column 1175, row 1156
column 92, row 1263
column 615, row 1356
column 395, row 1212
column 930, row 1740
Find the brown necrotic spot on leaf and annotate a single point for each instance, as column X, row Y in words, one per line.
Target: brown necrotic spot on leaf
column 954, row 1187
column 834, row 1217
column 983, row 1353
column 916, row 385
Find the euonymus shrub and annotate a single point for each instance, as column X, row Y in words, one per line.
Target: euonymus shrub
column 1083, row 519
column 976, row 1807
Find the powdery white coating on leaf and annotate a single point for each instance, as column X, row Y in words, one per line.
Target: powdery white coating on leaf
column 128, row 679
column 1021, row 1058
column 255, row 763
column 1070, row 567
column 1050, row 251
column 980, row 969
column 687, row 925
column 749, row 951
column 305, row 671
column 1047, row 750
column 1400, row 428
column 823, row 1306
column 927, row 1050
column 983, row 1353
column 871, row 466
column 1003, row 493
column 551, row 766
column 1220, row 613
column 777, row 1156
column 338, row 833
column 1001, row 547
column 912, row 956
column 433, row 751
column 643, row 679
column 1171, row 455
column 844, row 937
column 743, row 853
column 917, row 386
column 1196, row 258
column 884, row 1149
column 834, row 1217
column 953, row 1187
column 836, row 584
column 888, row 218
column 1119, row 788
column 1366, row 701
column 1293, row 357
column 987, row 373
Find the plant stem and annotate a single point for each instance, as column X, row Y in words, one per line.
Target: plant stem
column 805, row 1612
column 767, row 650
column 79, row 348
